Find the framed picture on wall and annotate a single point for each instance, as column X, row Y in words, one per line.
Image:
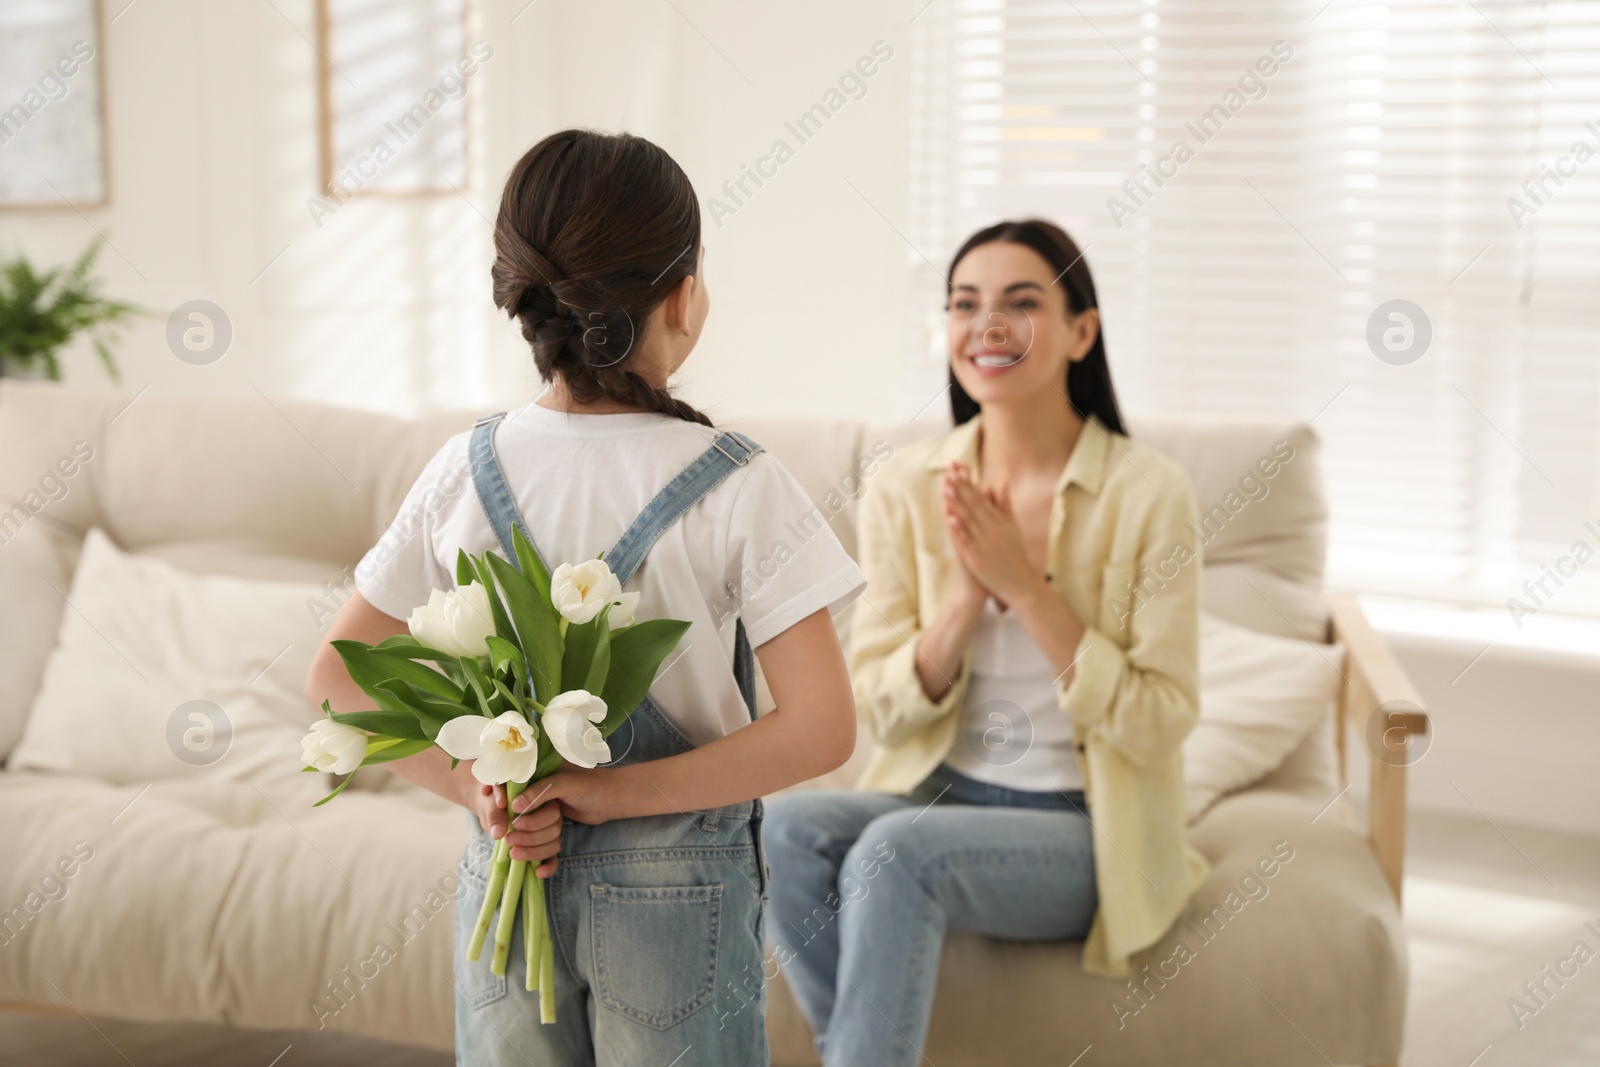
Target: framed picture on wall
column 394, row 81
column 52, row 104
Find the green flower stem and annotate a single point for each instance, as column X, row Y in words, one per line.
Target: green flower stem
column 515, row 876
column 510, row 895
column 491, row 896
column 547, row 968
column 531, row 931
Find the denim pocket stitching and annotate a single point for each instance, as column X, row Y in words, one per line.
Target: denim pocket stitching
column 604, row 898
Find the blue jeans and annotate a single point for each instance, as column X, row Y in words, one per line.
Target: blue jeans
column 866, row 884
column 658, row 924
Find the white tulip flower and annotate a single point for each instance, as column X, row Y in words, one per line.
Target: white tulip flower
column 569, row 722
column 580, row 592
column 334, row 746
column 503, row 749
column 622, row 614
column 456, row 621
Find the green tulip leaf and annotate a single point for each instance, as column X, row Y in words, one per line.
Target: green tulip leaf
column 367, row 668
column 537, row 626
column 389, row 723
column 637, row 652
column 400, row 749
column 530, row 564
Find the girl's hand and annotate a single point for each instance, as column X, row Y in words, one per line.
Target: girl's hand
column 534, row 836
column 986, row 537
column 586, row 795
column 488, row 803
column 536, row 828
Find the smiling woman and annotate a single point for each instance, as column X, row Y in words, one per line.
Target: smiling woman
column 1020, row 720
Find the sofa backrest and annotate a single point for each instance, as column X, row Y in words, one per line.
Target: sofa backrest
column 265, row 488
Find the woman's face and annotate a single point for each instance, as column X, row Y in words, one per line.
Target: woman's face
column 1010, row 331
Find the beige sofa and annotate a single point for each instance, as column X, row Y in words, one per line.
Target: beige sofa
column 281, row 908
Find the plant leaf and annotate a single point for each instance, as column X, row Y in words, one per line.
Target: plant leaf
column 336, row 791
column 582, row 637
column 537, row 627
column 529, row 563
column 408, row 647
column 479, row 683
column 497, row 609
column 600, row 664
column 503, row 652
column 429, row 714
column 465, row 574
column 636, row 653
column 388, row 723
column 511, row 698
column 399, row 750
column 367, row 668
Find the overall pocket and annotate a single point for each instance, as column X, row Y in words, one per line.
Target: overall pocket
column 478, row 984
column 655, row 949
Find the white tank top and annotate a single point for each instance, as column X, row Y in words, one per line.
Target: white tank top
column 1012, row 731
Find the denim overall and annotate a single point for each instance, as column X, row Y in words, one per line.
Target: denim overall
column 657, row 920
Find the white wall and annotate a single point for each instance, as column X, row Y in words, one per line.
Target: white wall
column 213, row 153
column 1515, row 736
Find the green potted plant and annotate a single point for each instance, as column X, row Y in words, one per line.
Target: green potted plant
column 40, row 313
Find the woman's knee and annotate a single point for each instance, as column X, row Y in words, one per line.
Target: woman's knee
column 892, row 842
column 820, row 822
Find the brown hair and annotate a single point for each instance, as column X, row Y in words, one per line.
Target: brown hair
column 594, row 230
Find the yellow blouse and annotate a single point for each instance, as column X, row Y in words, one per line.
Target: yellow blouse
column 1121, row 509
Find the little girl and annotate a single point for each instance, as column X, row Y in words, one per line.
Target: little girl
column 656, row 902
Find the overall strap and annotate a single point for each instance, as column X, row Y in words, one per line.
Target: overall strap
column 490, row 481
column 729, row 450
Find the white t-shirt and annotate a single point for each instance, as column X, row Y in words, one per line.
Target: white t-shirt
column 1013, row 732
column 744, row 550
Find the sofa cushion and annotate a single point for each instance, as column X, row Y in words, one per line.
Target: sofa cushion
column 1260, row 697
column 158, row 674
column 1263, row 516
column 33, row 588
column 231, row 902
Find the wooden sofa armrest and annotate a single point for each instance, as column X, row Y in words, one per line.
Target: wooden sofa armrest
column 1376, row 685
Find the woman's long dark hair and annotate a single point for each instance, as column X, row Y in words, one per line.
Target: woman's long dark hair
column 594, row 230
column 1089, row 387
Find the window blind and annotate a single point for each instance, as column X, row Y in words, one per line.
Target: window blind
column 1254, row 183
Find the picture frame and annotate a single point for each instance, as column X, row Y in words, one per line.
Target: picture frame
column 53, row 148
column 393, row 85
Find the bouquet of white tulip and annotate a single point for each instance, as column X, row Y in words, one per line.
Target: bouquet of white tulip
column 517, row 671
